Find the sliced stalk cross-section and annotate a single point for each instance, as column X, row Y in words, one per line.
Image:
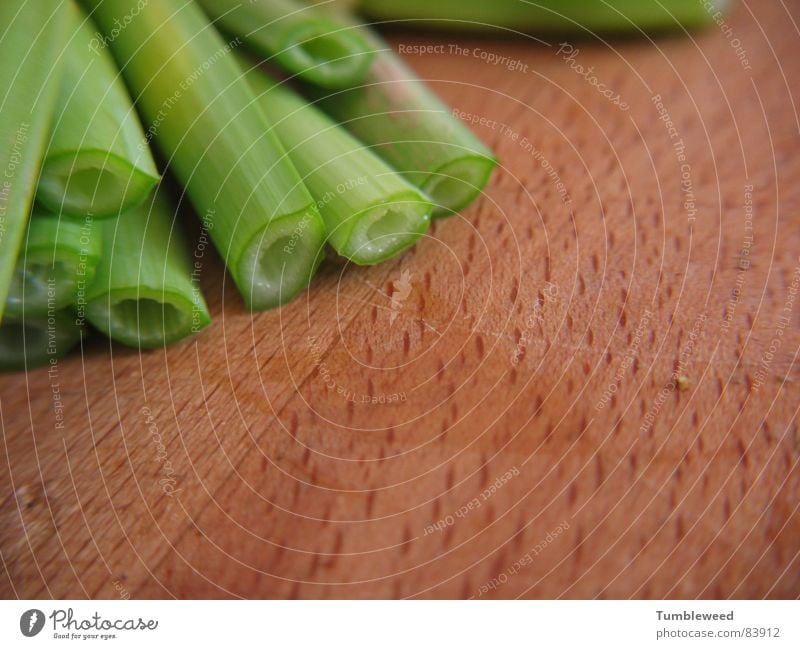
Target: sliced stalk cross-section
column 98, row 161
column 56, row 266
column 310, row 43
column 371, row 212
column 144, row 294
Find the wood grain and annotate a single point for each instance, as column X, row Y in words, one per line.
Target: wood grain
column 645, row 444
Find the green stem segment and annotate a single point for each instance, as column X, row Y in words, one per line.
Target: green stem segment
column 98, row 162
column 414, row 132
column 56, row 265
column 33, row 341
column 542, row 16
column 305, row 41
column 31, row 38
column 145, row 293
column 206, row 121
column 370, row 211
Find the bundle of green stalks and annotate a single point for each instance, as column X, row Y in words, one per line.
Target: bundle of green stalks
column 87, row 170
column 318, row 138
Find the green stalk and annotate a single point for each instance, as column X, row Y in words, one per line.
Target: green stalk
column 608, row 16
column 412, row 130
column 33, row 341
column 205, row 119
column 98, row 162
column 370, row 211
column 145, row 293
column 56, row 265
column 305, row 41
column 31, row 38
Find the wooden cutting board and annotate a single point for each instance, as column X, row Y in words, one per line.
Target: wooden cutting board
column 586, row 385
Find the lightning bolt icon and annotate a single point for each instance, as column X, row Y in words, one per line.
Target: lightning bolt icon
column 32, row 620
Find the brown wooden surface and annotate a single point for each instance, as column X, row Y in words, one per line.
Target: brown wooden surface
column 285, row 488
